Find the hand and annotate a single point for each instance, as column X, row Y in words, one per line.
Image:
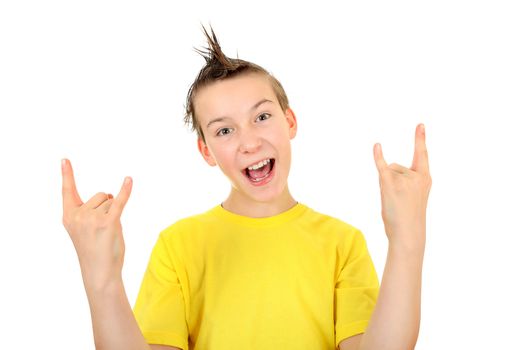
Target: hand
column 404, row 194
column 95, row 229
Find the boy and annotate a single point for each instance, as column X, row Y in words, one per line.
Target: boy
column 260, row 270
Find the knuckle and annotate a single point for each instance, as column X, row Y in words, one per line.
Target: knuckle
column 425, row 177
column 77, row 218
column 424, row 182
column 111, row 218
column 386, row 179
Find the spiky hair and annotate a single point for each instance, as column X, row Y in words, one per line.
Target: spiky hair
column 218, row 66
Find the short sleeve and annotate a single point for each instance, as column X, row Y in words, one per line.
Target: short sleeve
column 160, row 307
column 356, row 289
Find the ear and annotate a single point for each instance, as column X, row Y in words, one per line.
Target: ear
column 205, row 151
column 292, row 122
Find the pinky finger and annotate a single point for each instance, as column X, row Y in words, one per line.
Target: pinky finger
column 122, row 197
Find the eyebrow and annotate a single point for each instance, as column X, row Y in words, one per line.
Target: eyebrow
column 220, row 119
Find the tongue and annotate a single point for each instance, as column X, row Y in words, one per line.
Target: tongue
column 261, row 172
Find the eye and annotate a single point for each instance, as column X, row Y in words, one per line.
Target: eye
column 221, row 133
column 266, row 115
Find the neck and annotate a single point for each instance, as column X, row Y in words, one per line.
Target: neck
column 246, row 206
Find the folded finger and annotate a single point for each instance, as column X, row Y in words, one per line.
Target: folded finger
column 399, row 168
column 96, row 200
column 104, row 207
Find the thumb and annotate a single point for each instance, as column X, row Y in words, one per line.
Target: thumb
column 122, row 198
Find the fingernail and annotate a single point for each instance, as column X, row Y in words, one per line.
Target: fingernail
column 423, row 128
column 127, row 180
column 63, row 163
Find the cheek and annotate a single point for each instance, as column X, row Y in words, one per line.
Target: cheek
column 225, row 158
column 281, row 140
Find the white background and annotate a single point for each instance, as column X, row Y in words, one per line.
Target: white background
column 103, row 83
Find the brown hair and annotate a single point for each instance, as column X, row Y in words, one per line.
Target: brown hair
column 218, row 67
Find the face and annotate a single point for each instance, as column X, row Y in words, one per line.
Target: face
column 244, row 124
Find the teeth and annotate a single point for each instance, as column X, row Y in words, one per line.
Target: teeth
column 259, row 165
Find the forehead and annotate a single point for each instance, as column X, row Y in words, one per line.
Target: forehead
column 232, row 96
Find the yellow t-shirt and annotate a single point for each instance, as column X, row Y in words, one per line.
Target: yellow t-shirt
column 218, row 280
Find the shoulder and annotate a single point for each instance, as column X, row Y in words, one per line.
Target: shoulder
column 189, row 225
column 184, row 237
column 345, row 237
column 330, row 224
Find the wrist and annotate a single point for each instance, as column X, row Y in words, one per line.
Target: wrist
column 407, row 252
column 102, row 283
column 414, row 247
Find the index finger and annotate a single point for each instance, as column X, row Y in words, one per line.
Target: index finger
column 70, row 197
column 378, row 157
column 420, row 161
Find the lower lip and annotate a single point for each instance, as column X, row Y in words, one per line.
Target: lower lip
column 266, row 179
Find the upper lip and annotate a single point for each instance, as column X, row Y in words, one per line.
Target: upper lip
column 257, row 162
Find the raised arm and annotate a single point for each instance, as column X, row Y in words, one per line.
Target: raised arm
column 394, row 324
column 96, row 232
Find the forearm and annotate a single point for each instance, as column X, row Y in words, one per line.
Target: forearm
column 394, row 324
column 114, row 325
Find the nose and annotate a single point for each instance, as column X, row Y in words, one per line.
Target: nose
column 250, row 141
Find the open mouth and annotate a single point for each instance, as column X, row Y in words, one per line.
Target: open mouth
column 258, row 175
